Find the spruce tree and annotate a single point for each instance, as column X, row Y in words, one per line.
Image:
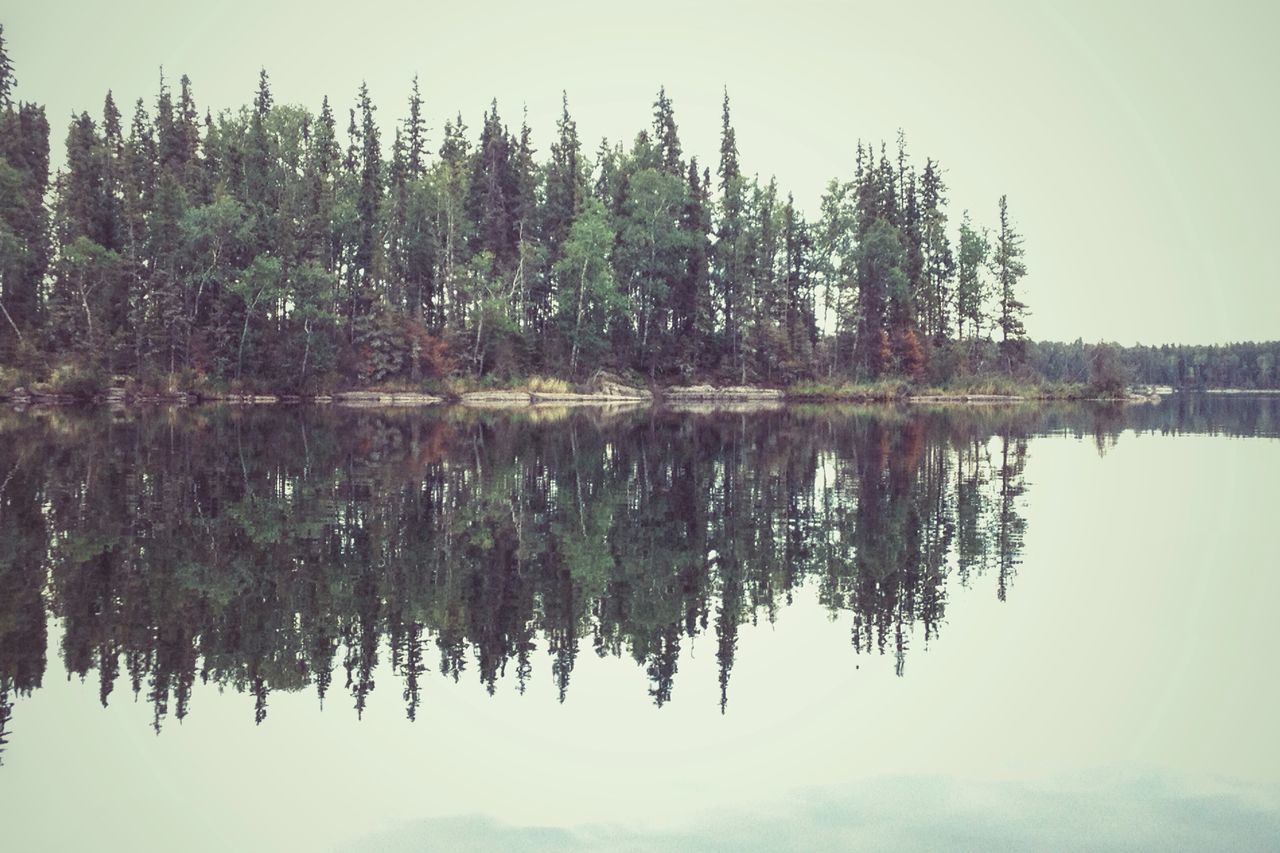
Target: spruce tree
column 882, row 285
column 25, row 246
column 665, row 136
column 368, row 203
column 971, row 263
column 565, row 183
column 730, row 249
column 1008, row 268
column 416, row 132
column 938, row 261
column 452, row 225
column 691, row 308
column 800, row 323
column 7, row 80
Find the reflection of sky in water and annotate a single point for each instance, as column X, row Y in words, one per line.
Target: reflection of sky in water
column 1123, row 697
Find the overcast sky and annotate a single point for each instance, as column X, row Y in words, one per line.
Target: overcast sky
column 1136, row 141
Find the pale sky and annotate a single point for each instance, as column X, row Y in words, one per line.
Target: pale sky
column 1135, row 140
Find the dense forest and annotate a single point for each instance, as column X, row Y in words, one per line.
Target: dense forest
column 265, row 245
column 270, row 248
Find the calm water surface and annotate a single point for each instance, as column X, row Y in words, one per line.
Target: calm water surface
column 928, row 628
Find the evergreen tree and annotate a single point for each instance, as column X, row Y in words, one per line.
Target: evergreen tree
column 452, row 224
column 7, row 79
column 368, row 248
column 492, row 198
column 938, row 261
column 416, row 132
column 971, row 290
column 730, row 250
column 881, row 282
column 1008, row 268
column 691, row 307
column 801, row 322
column 565, row 184
column 666, row 139
column 25, row 248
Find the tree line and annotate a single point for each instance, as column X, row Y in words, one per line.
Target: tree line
column 1248, row 365
column 271, row 245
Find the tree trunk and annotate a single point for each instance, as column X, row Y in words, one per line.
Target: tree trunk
column 5, row 311
column 577, row 326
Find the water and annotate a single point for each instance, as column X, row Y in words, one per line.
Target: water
column 930, row 628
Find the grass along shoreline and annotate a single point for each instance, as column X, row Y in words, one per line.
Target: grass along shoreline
column 602, row 388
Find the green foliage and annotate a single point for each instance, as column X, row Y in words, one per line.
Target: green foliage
column 80, row 381
column 260, row 246
column 1108, row 376
column 1008, row 268
column 591, row 292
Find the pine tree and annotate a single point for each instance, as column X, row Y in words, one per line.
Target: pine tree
column 1008, row 268
column 25, row 249
column 881, row 285
column 416, row 132
column 800, row 324
column 7, row 79
column 691, row 308
column 419, row 240
column 367, row 257
column 764, row 307
column 565, row 183
column 665, row 136
column 261, row 189
column 530, row 283
column 452, row 225
column 730, row 255
column 971, row 289
column 939, row 263
column 492, row 199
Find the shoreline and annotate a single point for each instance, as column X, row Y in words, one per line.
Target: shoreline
column 693, row 398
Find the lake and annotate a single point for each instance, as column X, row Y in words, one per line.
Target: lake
column 935, row 627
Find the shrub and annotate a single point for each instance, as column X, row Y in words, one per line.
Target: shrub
column 1108, row 374
column 547, row 385
column 386, row 347
column 74, row 380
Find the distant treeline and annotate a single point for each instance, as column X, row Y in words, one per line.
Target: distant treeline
column 1241, row 365
column 272, row 245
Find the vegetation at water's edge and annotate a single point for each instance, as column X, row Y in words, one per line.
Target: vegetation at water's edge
column 262, row 249
column 970, row 387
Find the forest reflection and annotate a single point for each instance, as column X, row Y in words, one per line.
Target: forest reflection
column 295, row 549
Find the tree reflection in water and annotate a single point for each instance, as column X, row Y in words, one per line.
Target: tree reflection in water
column 267, row 550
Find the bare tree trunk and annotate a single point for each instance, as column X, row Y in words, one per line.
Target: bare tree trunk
column 16, row 330
column 244, row 333
column 306, row 350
